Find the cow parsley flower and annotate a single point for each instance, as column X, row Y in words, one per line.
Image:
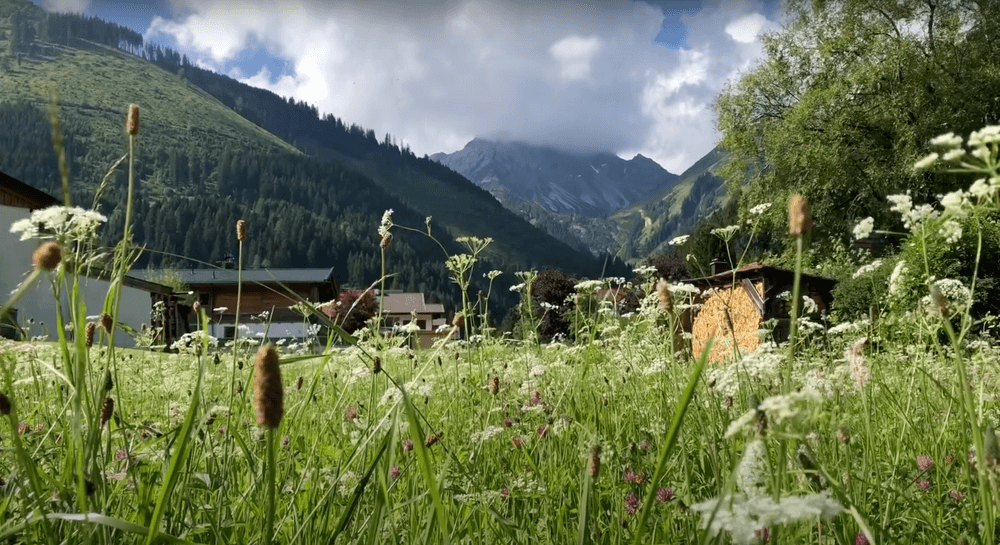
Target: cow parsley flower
column 760, row 209
column 927, row 162
column 865, row 269
column 386, row 225
column 949, row 140
column 864, row 228
column 677, row 241
column 726, row 233
column 60, row 223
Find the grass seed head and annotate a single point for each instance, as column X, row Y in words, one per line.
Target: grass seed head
column 47, row 256
column 268, row 395
column 377, row 366
column 132, row 121
column 241, row 230
column 107, row 409
column 799, row 222
column 666, row 302
column 433, row 438
column 89, row 333
column 386, row 241
column 595, row 461
column 298, row 384
column 495, row 385
column 109, row 382
column 106, row 322
column 4, row 404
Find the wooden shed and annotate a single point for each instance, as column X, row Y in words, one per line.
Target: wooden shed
column 736, row 303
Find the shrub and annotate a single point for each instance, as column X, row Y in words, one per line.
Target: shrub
column 353, row 309
column 550, row 292
column 863, row 292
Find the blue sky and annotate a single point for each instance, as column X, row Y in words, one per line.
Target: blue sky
column 615, row 75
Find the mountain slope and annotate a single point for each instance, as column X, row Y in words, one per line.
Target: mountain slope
column 592, row 185
column 647, row 226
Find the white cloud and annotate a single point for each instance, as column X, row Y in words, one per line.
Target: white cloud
column 436, row 74
column 747, row 28
column 574, row 53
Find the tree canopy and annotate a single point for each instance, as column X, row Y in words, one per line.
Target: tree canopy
column 848, row 96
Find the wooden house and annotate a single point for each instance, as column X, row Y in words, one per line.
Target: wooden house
column 265, row 302
column 401, row 308
column 735, row 304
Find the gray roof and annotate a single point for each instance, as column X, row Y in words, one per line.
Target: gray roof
column 194, row 277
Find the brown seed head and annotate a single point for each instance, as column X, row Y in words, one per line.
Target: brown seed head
column 433, row 438
column 595, row 461
column 109, row 382
column 386, row 241
column 666, row 303
column 458, row 321
column 377, row 366
column 107, row 409
column 298, row 384
column 89, row 333
column 495, row 385
column 798, row 216
column 268, row 396
column 4, row 404
column 106, row 322
column 132, row 121
column 47, row 256
column 241, row 230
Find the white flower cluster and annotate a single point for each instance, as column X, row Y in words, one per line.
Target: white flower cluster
column 896, row 277
column 489, row 433
column 726, row 233
column 912, row 216
column 954, row 291
column 386, row 225
column 742, row 518
column 677, row 241
column 194, row 342
column 868, row 268
column 864, row 228
column 751, row 475
column 59, row 222
column 760, row 209
column 589, row 285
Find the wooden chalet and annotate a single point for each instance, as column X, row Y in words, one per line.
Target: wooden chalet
column 735, row 304
column 400, row 308
column 265, row 302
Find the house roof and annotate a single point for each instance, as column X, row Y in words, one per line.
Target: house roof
column 407, row 303
column 201, row 277
column 16, row 193
column 756, row 269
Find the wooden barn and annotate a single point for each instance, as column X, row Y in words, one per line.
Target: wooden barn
column 735, row 304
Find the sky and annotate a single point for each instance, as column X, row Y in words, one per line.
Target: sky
column 623, row 76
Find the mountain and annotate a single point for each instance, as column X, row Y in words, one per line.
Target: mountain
column 591, row 185
column 645, row 228
column 212, row 150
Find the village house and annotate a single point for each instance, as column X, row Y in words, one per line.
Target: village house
column 35, row 313
column 401, row 308
column 735, row 305
column 265, row 304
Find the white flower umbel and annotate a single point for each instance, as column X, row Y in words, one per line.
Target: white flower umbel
column 760, row 209
column 726, row 233
column 751, row 475
column 61, row 223
column 927, row 162
column 864, row 228
column 865, row 269
column 742, row 517
column 589, row 285
column 949, row 140
column 386, row 226
column 951, row 230
column 896, row 277
column 677, row 241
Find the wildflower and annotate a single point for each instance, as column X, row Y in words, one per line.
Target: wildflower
column 508, row 422
column 799, row 222
column 665, row 494
column 630, row 476
column 986, row 135
column 742, row 517
column 241, row 230
column 763, row 534
column 751, row 476
column 924, row 462
column 267, row 390
column 865, row 269
column 132, row 120
column 23, row 427
column 861, row 539
column 856, row 361
column 542, row 431
column 433, row 438
column 107, row 322
column 955, row 495
column 47, row 256
column 644, row 445
column 595, row 461
column 864, row 228
column 517, row 441
column 504, row 492
column 298, row 384
column 107, row 409
column 632, row 503
column 677, row 241
column 760, row 209
column 407, row 445
column 351, row 413
column 923, row 485
column 896, row 276
column 726, row 233
column 953, row 155
column 495, row 385
column 949, row 140
column 394, row 471
column 927, row 162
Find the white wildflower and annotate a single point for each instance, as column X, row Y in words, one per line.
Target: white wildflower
column 589, row 285
column 59, row 222
column 489, row 433
column 896, row 276
column 901, row 203
column 760, row 209
column 537, row 371
column 987, row 135
column 792, row 406
column 751, row 475
column 865, row 269
column 980, row 189
column 194, row 343
column 855, row 358
column 955, row 204
column 726, row 233
column 517, row 287
column 677, row 241
column 864, row 228
column 951, row 230
column 953, row 155
column 741, row 423
column 386, row 225
column 743, row 517
column 949, row 140
column 927, row 162
column 681, row 289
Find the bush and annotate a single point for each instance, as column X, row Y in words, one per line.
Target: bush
column 353, row 319
column 669, row 266
column 552, row 288
column 863, row 292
